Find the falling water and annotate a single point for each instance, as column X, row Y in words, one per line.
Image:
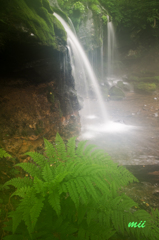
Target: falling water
column 101, row 52
column 111, row 47
column 81, row 67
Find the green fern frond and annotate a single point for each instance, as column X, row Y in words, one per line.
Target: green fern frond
column 50, row 151
column 35, row 210
column 38, row 185
column 3, row 153
column 81, row 190
column 73, row 192
column 60, row 147
column 88, row 149
column 37, row 158
column 80, row 148
column 98, row 153
column 19, row 182
column 30, row 168
column 54, row 200
column 81, row 213
column 90, row 188
column 22, row 192
column 71, row 145
column 47, row 173
column 16, row 218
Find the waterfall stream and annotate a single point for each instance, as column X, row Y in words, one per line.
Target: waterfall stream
column 81, row 68
column 110, row 47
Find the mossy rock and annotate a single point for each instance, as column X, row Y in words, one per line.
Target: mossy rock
column 145, row 87
column 28, row 21
column 116, row 93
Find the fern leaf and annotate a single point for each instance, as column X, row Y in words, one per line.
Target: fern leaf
column 19, row 182
column 16, row 217
column 101, row 185
column 82, row 213
column 80, row 148
column 22, row 192
column 91, row 214
column 38, row 185
column 60, row 147
column 71, row 145
column 35, row 210
column 27, row 203
column 73, row 192
column 81, row 233
column 30, row 168
column 3, row 153
column 113, row 189
column 88, row 149
column 37, row 158
column 90, row 188
column 54, row 200
column 47, row 173
column 50, row 151
column 97, row 153
column 81, row 190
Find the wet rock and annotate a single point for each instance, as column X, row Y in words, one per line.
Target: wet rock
column 116, row 93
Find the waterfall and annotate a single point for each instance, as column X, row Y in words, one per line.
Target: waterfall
column 101, row 53
column 81, row 68
column 110, row 47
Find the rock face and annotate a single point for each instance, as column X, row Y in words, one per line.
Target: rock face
column 37, row 92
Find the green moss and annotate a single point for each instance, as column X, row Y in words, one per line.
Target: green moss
column 46, row 5
column 145, row 87
column 95, row 9
column 144, row 79
column 26, row 20
column 59, row 29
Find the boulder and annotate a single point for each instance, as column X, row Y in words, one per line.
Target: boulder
column 116, row 93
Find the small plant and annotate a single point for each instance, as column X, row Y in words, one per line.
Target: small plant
column 72, row 194
column 105, row 20
column 3, row 153
column 79, row 6
column 96, row 9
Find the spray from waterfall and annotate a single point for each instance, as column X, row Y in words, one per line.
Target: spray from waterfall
column 81, row 68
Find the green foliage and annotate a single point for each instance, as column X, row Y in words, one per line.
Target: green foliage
column 3, row 153
column 137, row 14
column 79, row 6
column 95, row 9
column 72, row 193
column 147, row 87
column 105, row 20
